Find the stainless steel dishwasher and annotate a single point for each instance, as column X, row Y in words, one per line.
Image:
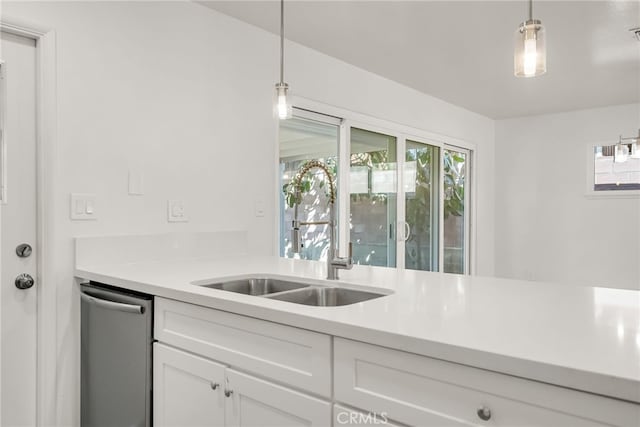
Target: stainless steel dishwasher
column 116, row 343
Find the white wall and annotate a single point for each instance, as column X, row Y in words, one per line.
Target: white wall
column 184, row 94
column 546, row 228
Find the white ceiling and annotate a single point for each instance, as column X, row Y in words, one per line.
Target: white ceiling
column 462, row 51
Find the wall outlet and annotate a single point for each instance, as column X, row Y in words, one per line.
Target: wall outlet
column 83, row 207
column 176, row 211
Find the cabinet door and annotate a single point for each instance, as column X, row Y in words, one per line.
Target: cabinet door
column 420, row 391
column 188, row 390
column 259, row 403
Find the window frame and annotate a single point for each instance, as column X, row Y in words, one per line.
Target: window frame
column 347, row 119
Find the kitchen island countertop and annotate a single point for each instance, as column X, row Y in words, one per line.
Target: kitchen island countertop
column 585, row 338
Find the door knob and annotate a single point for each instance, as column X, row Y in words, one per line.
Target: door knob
column 24, row 281
column 24, row 250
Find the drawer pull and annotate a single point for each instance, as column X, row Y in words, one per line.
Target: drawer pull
column 228, row 393
column 214, row 386
column 484, row 413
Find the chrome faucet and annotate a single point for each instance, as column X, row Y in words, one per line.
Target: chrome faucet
column 334, row 262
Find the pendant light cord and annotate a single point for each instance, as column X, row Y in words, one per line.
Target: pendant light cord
column 281, row 41
column 530, row 10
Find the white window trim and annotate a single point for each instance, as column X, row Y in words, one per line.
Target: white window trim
column 401, row 132
column 590, row 193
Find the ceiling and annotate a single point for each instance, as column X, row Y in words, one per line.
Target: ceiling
column 462, row 51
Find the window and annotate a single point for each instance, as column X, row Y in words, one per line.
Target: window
column 373, row 188
column 403, row 201
column 304, row 138
column 422, row 197
column 455, row 210
column 616, row 167
column 613, row 170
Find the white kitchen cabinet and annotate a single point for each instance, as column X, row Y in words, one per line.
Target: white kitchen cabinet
column 296, row 357
column 422, row 391
column 192, row 391
column 258, row 403
column 269, row 374
column 188, row 390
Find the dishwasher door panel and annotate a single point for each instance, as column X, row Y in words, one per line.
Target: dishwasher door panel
column 116, row 339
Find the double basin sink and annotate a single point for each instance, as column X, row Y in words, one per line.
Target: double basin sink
column 295, row 292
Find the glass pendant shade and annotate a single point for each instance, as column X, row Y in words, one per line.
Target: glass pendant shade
column 530, row 56
column 621, row 153
column 283, row 108
column 635, row 149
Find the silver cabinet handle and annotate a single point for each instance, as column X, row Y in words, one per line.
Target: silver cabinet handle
column 407, row 231
column 228, row 393
column 110, row 305
column 214, row 386
column 484, row 413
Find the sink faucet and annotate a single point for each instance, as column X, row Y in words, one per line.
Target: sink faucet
column 334, row 262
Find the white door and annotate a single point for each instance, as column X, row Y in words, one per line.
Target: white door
column 187, row 389
column 18, row 226
column 252, row 402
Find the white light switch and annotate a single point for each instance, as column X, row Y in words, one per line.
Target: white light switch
column 80, row 206
column 176, row 211
column 83, row 207
column 136, row 183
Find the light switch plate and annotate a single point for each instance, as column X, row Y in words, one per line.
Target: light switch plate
column 136, row 183
column 176, row 211
column 83, row 207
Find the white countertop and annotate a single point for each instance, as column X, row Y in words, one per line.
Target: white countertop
column 579, row 337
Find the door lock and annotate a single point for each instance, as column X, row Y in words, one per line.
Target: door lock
column 24, row 250
column 24, row 281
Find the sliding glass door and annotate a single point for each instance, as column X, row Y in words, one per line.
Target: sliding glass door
column 373, row 197
column 421, row 196
column 304, row 137
column 456, row 210
column 403, row 201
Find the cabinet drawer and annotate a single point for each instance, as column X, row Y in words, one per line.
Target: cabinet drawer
column 421, row 391
column 290, row 355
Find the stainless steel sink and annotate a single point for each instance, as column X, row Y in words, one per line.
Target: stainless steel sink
column 256, row 286
column 325, row 297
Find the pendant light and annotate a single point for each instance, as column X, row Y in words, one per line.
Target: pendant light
column 635, row 146
column 621, row 152
column 283, row 107
column 624, row 150
column 530, row 57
